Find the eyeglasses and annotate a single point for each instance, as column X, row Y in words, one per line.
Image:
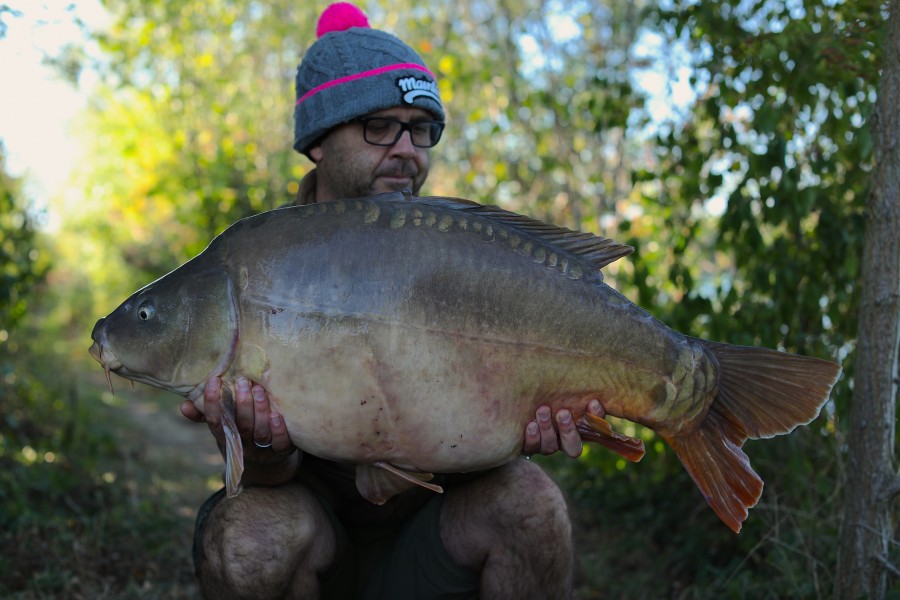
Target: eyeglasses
column 383, row 131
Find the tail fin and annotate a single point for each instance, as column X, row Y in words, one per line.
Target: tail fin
column 762, row 393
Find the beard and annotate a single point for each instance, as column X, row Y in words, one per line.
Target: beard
column 348, row 175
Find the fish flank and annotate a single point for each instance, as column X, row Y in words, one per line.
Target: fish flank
column 326, row 316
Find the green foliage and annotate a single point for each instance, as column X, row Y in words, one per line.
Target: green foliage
column 70, row 524
column 781, row 134
column 539, row 96
column 21, row 266
column 192, row 124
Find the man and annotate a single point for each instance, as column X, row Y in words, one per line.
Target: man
column 367, row 113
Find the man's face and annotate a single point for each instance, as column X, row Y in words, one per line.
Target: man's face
column 350, row 167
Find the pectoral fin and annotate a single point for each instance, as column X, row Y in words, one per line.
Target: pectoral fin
column 234, row 449
column 597, row 429
column 381, row 481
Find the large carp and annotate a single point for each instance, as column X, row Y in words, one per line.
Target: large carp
column 420, row 336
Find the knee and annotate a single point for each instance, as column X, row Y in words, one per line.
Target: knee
column 254, row 544
column 512, row 524
column 518, row 497
column 537, row 499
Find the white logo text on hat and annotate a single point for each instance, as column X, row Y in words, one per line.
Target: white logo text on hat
column 413, row 88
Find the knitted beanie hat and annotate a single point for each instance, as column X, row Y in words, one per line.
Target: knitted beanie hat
column 352, row 70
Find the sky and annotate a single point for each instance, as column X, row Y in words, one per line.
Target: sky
column 36, row 104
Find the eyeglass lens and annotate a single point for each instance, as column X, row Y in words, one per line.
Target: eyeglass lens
column 386, row 132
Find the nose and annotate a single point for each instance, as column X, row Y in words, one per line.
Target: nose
column 404, row 145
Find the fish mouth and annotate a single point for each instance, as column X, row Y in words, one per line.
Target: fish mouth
column 105, row 356
column 102, row 353
column 101, row 350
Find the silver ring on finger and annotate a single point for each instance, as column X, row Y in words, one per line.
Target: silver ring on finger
column 258, row 445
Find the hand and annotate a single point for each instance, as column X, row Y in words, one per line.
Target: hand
column 263, row 431
column 542, row 437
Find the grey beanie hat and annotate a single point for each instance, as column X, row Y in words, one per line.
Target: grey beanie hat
column 353, row 70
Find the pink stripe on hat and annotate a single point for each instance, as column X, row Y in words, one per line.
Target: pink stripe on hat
column 362, row 75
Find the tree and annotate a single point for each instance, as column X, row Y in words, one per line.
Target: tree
column 872, row 480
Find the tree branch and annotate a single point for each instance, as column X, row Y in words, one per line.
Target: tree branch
column 888, row 565
column 892, row 488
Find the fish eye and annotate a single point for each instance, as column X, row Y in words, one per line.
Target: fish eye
column 145, row 311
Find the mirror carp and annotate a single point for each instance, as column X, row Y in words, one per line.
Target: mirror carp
column 413, row 336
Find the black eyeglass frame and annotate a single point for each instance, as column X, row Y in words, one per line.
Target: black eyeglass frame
column 434, row 138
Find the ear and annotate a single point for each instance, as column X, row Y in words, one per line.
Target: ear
column 315, row 153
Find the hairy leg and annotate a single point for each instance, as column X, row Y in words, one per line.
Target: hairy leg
column 513, row 524
column 267, row 542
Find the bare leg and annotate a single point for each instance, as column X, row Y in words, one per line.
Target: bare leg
column 267, row 542
column 513, row 524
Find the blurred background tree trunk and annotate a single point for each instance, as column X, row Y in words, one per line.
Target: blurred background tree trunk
column 872, row 481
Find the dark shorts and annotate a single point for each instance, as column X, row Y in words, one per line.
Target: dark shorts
column 373, row 563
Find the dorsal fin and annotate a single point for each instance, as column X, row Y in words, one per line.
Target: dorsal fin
column 599, row 251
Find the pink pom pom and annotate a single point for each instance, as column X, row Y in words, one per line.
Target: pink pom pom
column 340, row 16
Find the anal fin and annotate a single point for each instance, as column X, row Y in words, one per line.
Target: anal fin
column 597, row 429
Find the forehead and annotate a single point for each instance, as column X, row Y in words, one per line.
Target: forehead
column 403, row 113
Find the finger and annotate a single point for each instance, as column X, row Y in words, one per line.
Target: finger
column 532, row 443
column 568, row 434
column 190, row 411
column 212, row 409
column 243, row 407
column 261, row 428
column 595, row 408
column 549, row 442
column 212, row 405
column 281, row 441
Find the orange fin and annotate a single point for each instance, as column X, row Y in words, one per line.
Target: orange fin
column 381, row 481
column 597, row 429
column 716, row 463
column 761, row 393
column 764, row 393
column 234, row 448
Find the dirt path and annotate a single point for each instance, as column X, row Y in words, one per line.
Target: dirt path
column 178, row 447
column 176, row 464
